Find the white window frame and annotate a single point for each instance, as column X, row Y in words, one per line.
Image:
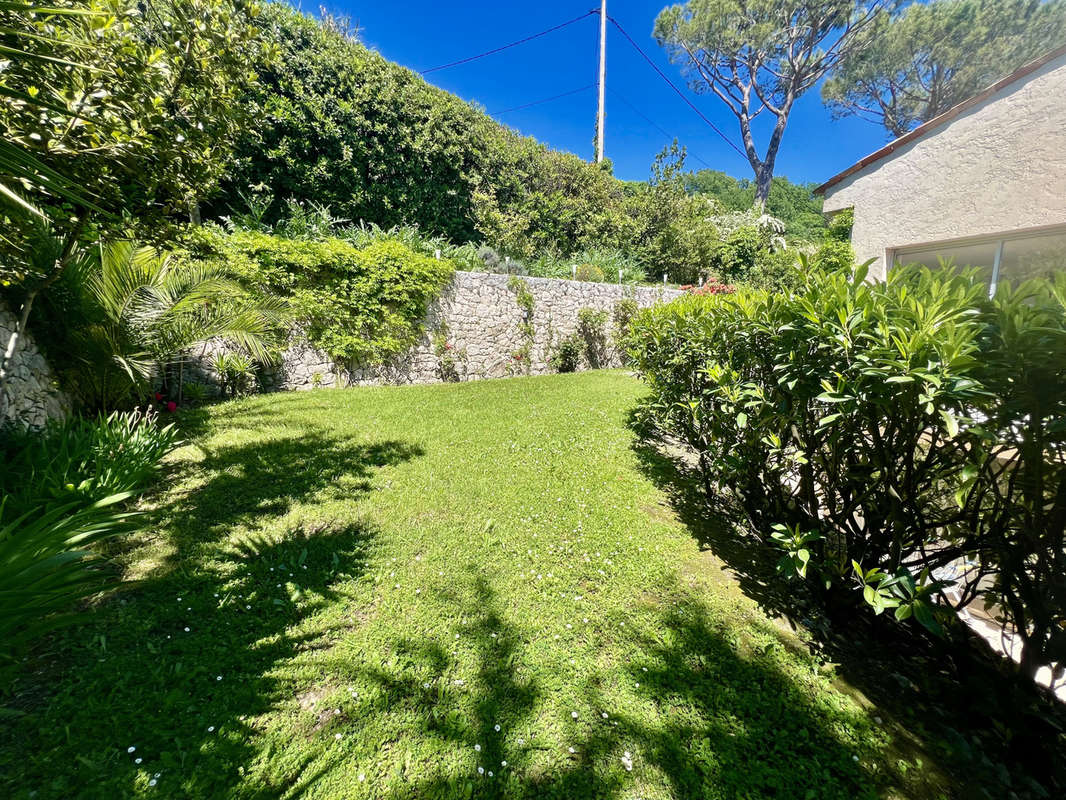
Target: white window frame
column 1000, row 239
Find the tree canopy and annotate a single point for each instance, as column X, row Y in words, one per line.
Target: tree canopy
column 760, row 56
column 931, row 56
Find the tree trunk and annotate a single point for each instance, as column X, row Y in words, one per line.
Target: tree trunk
column 763, row 178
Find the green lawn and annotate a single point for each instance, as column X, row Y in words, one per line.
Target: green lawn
column 379, row 592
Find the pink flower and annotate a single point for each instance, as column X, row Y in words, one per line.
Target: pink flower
column 172, row 406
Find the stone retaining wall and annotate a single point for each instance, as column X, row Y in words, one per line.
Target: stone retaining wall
column 31, row 396
column 483, row 323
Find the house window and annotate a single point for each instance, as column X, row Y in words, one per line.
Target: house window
column 1013, row 257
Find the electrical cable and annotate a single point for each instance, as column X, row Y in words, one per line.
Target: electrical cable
column 654, row 124
column 512, row 44
column 545, row 100
column 673, row 86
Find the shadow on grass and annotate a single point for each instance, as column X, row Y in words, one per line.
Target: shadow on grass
column 723, row 725
column 181, row 665
column 958, row 702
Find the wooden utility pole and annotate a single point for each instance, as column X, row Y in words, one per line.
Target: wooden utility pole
column 602, row 81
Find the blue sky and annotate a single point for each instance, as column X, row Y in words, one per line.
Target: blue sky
column 421, row 34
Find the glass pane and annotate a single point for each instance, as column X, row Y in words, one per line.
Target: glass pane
column 982, row 254
column 1033, row 257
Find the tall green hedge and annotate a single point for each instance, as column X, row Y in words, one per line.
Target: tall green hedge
column 339, row 125
column 877, row 433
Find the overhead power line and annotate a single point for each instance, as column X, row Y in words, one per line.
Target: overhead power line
column 512, row 44
column 546, row 99
column 673, row 86
column 653, row 123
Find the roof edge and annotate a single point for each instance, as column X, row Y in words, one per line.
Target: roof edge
column 943, row 118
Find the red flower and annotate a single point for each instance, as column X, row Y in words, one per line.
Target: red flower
column 172, row 406
column 713, row 287
column 158, row 397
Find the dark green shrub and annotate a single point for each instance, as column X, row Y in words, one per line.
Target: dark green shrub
column 835, row 254
column 622, row 318
column 878, row 432
column 839, row 228
column 736, row 258
column 567, row 355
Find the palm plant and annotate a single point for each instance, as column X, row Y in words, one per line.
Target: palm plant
column 156, row 308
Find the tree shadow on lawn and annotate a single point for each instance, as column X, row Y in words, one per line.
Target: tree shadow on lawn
column 956, row 702
column 181, row 664
column 723, row 724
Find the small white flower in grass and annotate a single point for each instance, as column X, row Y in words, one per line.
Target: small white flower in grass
column 138, row 760
column 569, row 626
column 362, row 777
column 854, row 758
column 585, row 620
column 425, row 685
column 573, row 715
column 249, row 608
column 158, row 775
column 457, row 636
column 503, row 763
column 490, row 773
column 605, row 715
column 493, row 635
column 130, row 749
column 210, row 728
column 218, row 677
column 480, row 770
column 638, row 685
column 496, row 728
column 186, row 628
column 571, row 750
column 152, row 782
column 477, row 748
column 337, row 736
column 644, row 668
column 627, row 761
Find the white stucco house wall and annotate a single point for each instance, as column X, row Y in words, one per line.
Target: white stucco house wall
column 983, row 184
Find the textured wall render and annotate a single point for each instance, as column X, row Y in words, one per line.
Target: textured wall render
column 483, row 322
column 1000, row 166
column 31, row 395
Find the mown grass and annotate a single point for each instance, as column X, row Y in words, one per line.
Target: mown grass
column 376, row 592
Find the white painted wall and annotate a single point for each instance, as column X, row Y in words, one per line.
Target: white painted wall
column 998, row 167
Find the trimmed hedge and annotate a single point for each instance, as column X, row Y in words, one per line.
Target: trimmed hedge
column 878, row 432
